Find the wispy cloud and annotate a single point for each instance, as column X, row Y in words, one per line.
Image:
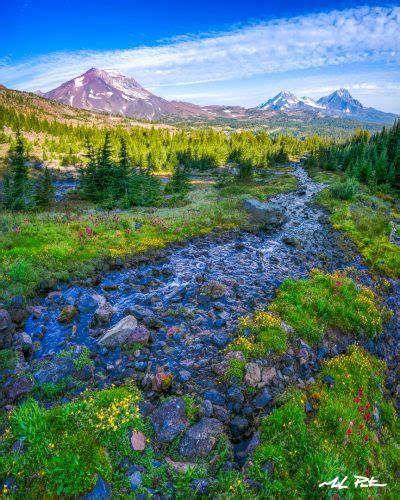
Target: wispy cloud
column 367, row 35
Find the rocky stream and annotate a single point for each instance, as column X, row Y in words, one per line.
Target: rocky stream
column 180, row 309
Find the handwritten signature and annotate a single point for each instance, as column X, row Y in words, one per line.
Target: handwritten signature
column 360, row 482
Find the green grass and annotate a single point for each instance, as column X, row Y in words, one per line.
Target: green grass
column 309, row 450
column 312, row 307
column 52, row 246
column 261, row 189
column 366, row 220
column 8, row 360
column 68, row 445
column 236, row 369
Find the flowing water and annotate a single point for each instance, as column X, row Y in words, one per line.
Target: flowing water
column 190, row 328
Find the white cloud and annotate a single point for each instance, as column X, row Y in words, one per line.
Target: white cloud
column 361, row 35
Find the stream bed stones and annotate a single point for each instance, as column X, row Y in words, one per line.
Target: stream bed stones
column 166, row 322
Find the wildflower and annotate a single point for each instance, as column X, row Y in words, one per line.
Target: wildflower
column 366, row 438
column 17, row 230
column 349, row 431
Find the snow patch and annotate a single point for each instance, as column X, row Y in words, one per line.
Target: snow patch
column 78, row 81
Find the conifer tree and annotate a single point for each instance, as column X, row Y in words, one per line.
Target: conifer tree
column 88, row 173
column 105, row 168
column 45, row 190
column 122, row 170
column 16, row 187
column 179, row 183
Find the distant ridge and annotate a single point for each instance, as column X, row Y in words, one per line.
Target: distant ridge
column 340, row 103
column 109, row 91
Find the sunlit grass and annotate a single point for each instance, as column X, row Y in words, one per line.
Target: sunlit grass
column 51, row 246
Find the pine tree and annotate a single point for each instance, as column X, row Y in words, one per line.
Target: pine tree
column 179, row 183
column 105, row 167
column 45, row 190
column 122, row 170
column 16, row 187
column 88, row 174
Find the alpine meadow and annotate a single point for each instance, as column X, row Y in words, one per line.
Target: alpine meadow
column 199, row 271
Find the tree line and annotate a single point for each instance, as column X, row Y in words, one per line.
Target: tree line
column 159, row 149
column 372, row 159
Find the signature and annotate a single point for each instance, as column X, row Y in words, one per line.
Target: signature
column 359, row 482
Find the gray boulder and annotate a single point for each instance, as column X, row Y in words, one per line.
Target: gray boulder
column 200, row 439
column 23, row 342
column 140, row 335
column 103, row 313
column 15, row 388
column 119, row 333
column 101, row 491
column 169, row 420
column 265, row 214
column 6, row 329
column 54, row 371
column 90, row 301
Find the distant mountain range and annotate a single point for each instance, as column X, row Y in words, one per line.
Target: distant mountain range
column 111, row 92
column 286, row 101
column 339, row 103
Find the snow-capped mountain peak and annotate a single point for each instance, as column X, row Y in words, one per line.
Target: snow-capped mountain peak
column 308, row 101
column 287, row 101
column 341, row 100
column 283, row 100
column 110, row 91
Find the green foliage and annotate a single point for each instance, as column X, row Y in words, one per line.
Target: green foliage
column 191, row 408
column 340, row 439
column 366, row 219
column 143, row 190
column 264, row 334
column 326, row 301
column 259, row 188
column 344, row 190
column 374, row 159
column 179, row 183
column 68, row 446
column 236, row 369
column 8, row 360
column 311, row 307
column 44, row 190
column 16, row 184
column 43, row 246
column 116, row 183
column 51, row 391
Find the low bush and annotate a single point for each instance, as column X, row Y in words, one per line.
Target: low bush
column 344, row 190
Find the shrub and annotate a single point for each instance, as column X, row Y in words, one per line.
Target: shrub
column 143, row 191
column 344, row 190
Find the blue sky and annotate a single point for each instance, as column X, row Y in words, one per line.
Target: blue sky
column 207, row 52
